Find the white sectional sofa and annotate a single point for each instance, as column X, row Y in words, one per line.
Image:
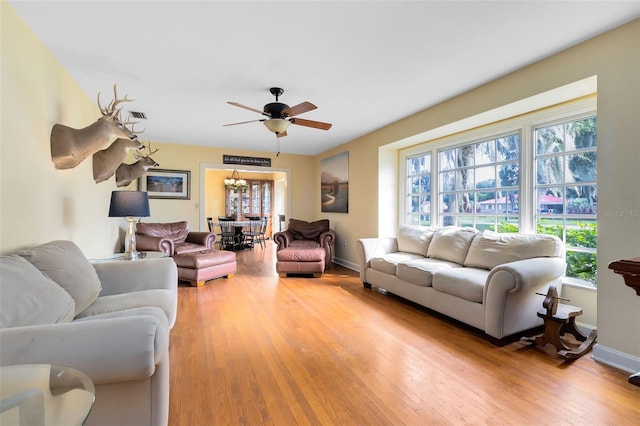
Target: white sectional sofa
column 484, row 279
column 110, row 320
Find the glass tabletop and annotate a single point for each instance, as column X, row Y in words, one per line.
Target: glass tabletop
column 141, row 256
column 44, row 394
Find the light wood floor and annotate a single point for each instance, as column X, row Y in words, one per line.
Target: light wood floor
column 258, row 349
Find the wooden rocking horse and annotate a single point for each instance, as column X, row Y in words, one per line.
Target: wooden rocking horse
column 559, row 320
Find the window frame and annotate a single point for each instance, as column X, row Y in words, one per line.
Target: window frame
column 524, row 124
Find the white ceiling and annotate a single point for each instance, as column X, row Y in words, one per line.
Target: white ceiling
column 365, row 64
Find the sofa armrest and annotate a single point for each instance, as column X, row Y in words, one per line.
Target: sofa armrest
column 206, row 239
column 121, row 276
column 149, row 243
column 107, row 350
column 528, row 273
column 511, row 302
column 283, row 238
column 368, row 248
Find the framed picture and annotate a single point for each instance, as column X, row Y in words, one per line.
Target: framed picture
column 334, row 183
column 163, row 183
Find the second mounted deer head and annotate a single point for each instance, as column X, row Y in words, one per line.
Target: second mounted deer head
column 106, row 161
column 127, row 173
column 69, row 146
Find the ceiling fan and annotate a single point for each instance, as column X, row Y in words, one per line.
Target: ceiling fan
column 282, row 115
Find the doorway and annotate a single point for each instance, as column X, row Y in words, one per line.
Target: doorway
column 212, row 192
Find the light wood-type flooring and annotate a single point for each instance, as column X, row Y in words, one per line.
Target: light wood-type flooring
column 258, row 349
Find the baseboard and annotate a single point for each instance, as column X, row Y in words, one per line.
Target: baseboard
column 616, row 359
column 346, row 264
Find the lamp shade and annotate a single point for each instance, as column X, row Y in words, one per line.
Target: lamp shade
column 129, row 203
column 277, row 125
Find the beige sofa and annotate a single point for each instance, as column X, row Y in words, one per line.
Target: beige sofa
column 110, row 320
column 486, row 280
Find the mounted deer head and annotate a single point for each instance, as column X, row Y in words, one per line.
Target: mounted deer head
column 106, row 161
column 69, row 147
column 127, row 173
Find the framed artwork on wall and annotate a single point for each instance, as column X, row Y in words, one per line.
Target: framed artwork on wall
column 334, row 183
column 164, row 183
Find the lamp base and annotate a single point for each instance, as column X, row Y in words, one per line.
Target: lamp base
column 130, row 252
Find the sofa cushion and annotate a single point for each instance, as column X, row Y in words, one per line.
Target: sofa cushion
column 451, row 243
column 28, row 297
column 303, row 230
column 466, row 283
column 158, row 298
column 64, row 263
column 414, row 239
column 175, row 231
column 420, row 271
column 491, row 249
column 388, row 262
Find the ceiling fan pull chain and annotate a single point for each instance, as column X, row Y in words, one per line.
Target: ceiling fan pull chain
column 278, row 143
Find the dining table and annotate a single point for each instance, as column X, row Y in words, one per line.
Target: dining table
column 239, row 226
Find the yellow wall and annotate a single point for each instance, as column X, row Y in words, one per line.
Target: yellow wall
column 39, row 204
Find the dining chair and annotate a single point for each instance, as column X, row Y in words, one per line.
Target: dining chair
column 253, row 234
column 264, row 223
column 229, row 238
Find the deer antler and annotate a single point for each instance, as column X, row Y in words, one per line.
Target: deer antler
column 151, row 152
column 132, row 123
column 110, row 109
column 139, row 157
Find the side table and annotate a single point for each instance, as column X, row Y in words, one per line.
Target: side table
column 630, row 271
column 44, row 394
column 142, row 255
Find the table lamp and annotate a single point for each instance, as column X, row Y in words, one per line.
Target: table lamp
column 129, row 204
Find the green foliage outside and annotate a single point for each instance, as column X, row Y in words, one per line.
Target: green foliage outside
column 579, row 264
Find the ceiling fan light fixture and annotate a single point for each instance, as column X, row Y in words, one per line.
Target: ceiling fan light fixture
column 277, row 125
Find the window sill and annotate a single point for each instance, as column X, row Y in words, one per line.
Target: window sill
column 579, row 284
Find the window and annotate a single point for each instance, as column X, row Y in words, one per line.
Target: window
column 418, row 204
column 532, row 173
column 479, row 184
column 566, row 190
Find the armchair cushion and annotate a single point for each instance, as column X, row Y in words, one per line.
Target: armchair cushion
column 75, row 274
column 303, row 230
column 175, row 231
column 172, row 238
column 28, row 297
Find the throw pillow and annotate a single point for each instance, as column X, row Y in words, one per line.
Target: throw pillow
column 64, row 263
column 451, row 243
column 303, row 230
column 28, row 297
column 491, row 249
column 414, row 239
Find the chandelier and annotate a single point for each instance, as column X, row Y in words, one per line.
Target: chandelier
column 234, row 183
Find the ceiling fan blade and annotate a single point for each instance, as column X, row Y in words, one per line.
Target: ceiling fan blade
column 299, row 109
column 310, row 123
column 281, row 134
column 249, row 108
column 242, row 122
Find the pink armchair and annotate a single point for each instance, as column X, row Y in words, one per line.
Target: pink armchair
column 307, row 235
column 172, row 238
